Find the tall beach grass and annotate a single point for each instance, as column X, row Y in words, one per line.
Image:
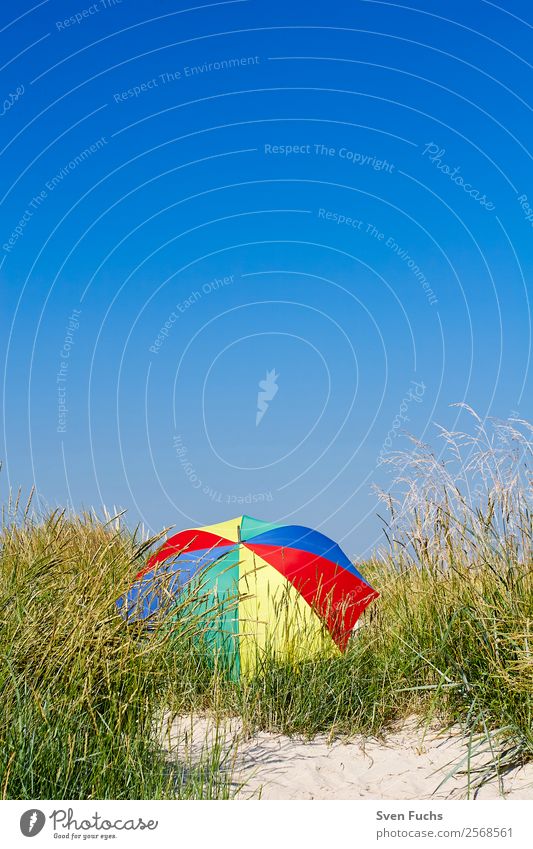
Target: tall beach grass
column 449, row 639
column 79, row 688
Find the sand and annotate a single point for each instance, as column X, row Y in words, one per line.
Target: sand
column 410, row 763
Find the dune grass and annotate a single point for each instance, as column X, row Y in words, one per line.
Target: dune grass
column 78, row 686
column 450, row 639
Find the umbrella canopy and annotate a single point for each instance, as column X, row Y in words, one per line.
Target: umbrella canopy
column 281, row 588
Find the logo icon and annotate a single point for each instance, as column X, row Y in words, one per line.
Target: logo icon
column 268, row 388
column 32, row 822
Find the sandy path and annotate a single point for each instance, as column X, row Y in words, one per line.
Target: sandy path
column 409, row 764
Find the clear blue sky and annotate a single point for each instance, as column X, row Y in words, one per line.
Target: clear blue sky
column 193, row 197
